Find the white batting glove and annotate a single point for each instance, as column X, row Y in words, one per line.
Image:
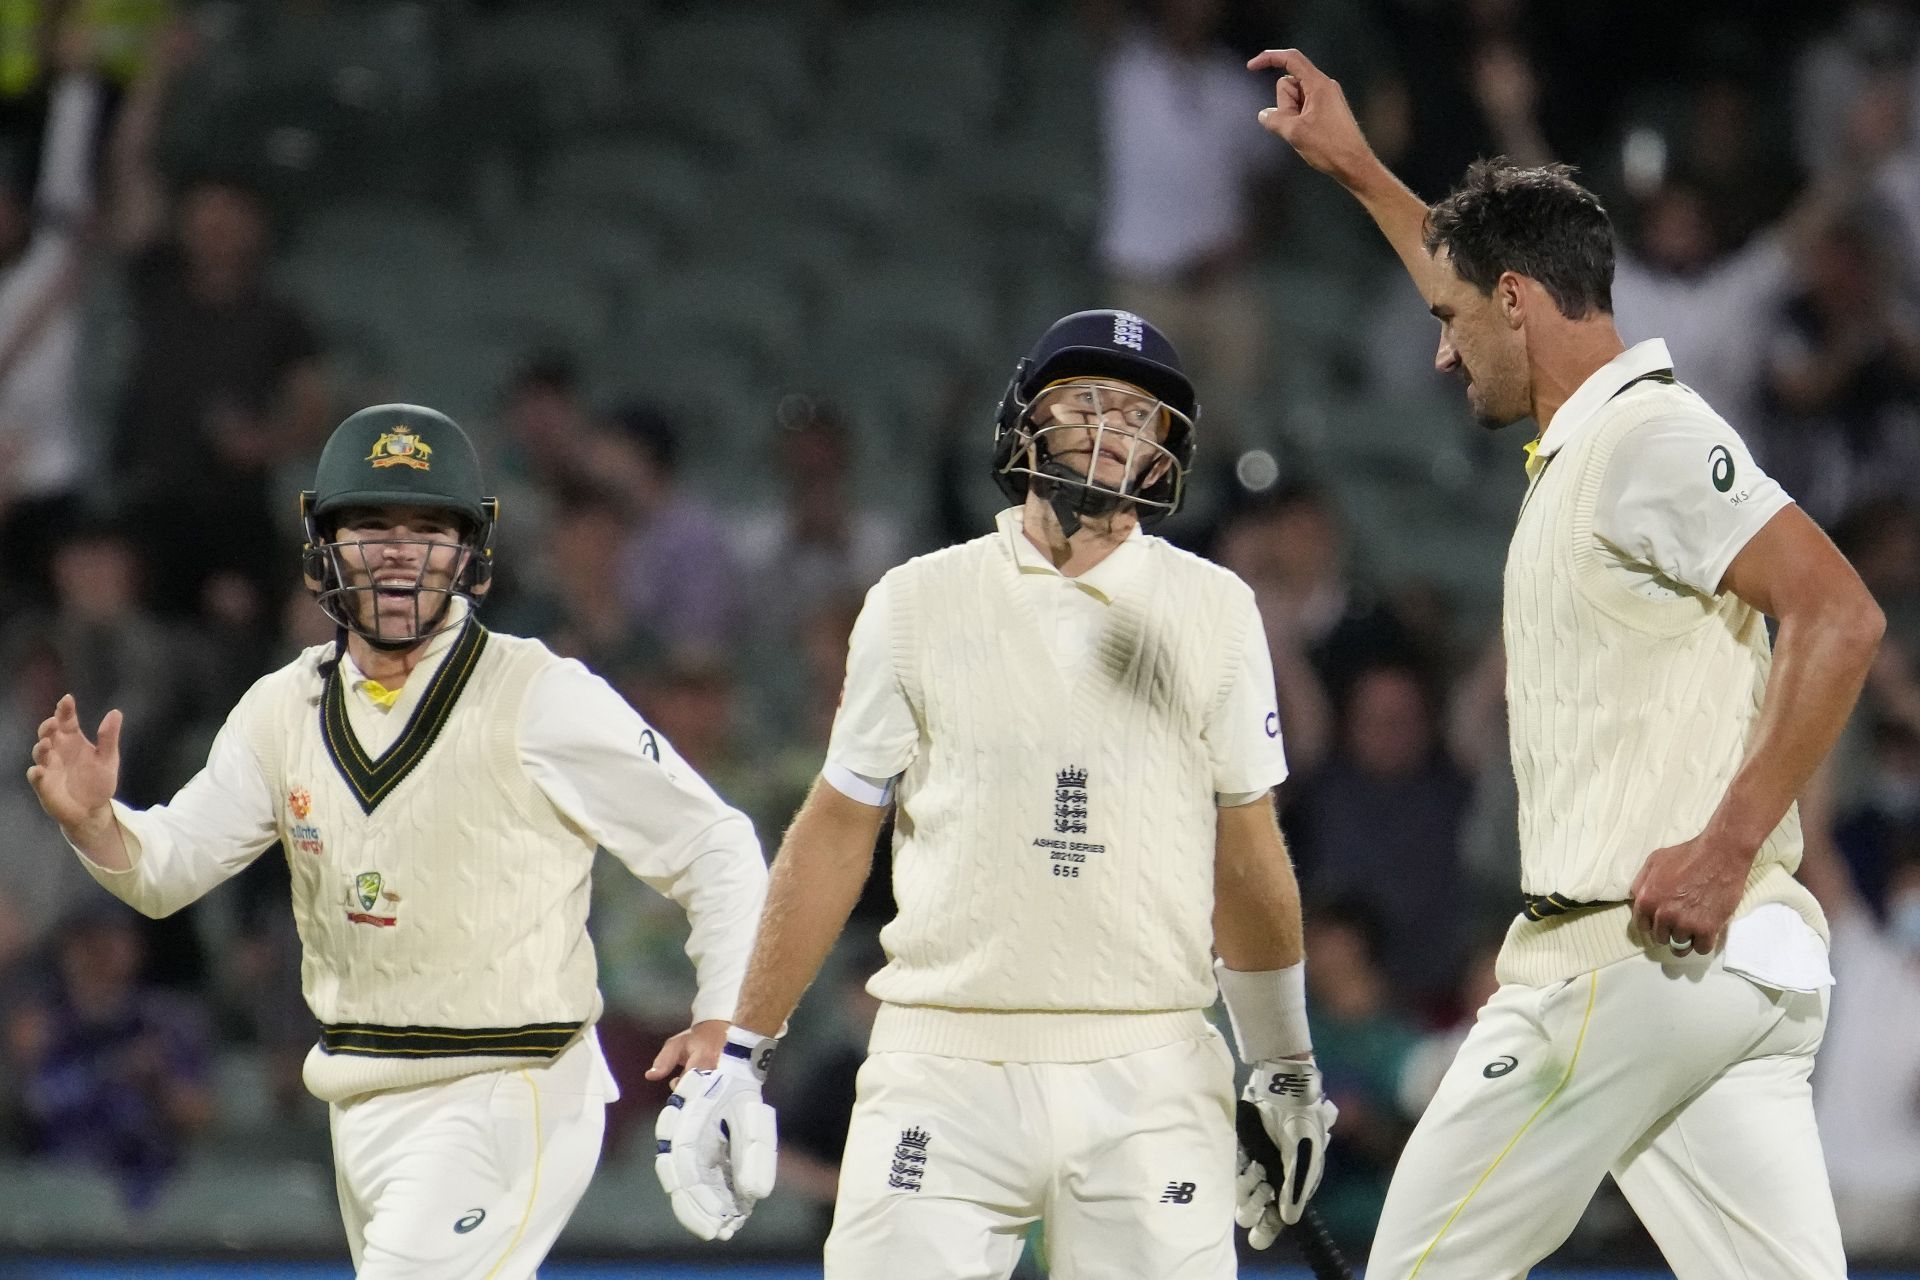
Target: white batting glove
column 1293, row 1109
column 717, row 1140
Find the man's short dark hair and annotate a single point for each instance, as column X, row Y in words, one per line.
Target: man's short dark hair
column 1536, row 222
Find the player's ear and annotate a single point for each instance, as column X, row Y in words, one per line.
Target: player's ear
column 1510, row 295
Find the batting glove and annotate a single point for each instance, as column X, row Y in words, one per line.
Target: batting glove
column 717, row 1140
column 1294, row 1109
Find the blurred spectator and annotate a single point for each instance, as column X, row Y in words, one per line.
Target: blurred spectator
column 113, row 651
column 818, row 545
column 1843, row 378
column 1380, row 820
column 1291, row 549
column 1872, row 48
column 31, row 31
column 1678, row 279
column 225, row 381
column 44, row 447
column 1885, row 816
column 1428, row 1062
column 547, row 424
column 821, row 541
column 115, row 1072
column 1867, row 1086
column 1465, row 88
column 680, row 582
column 1179, row 158
column 574, row 602
column 1882, row 539
column 1477, row 740
column 1363, row 1044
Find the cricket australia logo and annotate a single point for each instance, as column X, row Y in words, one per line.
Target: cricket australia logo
column 909, row 1159
column 401, row 447
column 1129, row 330
column 1070, row 801
column 368, row 892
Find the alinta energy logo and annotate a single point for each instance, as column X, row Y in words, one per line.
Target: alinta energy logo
column 1129, row 330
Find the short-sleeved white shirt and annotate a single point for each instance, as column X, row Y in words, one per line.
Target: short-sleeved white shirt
column 1682, row 494
column 875, row 734
column 1680, row 498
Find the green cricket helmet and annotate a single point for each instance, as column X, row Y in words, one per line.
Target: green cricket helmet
column 396, row 456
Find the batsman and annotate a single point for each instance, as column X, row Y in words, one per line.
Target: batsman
column 1075, row 723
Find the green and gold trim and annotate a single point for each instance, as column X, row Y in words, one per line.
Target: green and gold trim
column 535, row 1040
column 371, row 780
column 1547, row 905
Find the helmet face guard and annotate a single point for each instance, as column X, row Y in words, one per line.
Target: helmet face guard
column 1099, row 415
column 349, row 582
column 1096, row 444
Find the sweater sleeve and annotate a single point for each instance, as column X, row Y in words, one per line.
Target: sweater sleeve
column 222, row 820
column 615, row 777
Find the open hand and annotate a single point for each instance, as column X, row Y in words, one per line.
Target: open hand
column 74, row 778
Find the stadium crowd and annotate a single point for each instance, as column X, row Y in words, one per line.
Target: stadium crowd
column 164, row 388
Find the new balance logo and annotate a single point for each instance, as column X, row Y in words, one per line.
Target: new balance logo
column 1178, row 1193
column 909, row 1159
column 1129, row 330
column 1288, row 1086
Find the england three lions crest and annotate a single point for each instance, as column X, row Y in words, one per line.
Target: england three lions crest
column 1070, row 801
column 1067, row 847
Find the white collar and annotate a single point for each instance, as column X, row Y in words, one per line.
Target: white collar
column 423, row 670
column 1602, row 385
column 1101, row 582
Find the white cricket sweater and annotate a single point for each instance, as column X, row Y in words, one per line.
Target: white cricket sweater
column 1054, row 846
column 1629, row 715
column 443, row 930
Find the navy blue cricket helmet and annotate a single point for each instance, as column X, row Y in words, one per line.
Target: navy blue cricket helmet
column 1101, row 345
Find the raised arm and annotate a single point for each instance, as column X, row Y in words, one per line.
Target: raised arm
column 137, row 201
column 1311, row 112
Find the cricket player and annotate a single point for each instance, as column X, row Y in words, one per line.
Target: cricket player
column 1665, row 987
column 440, row 791
column 1076, row 723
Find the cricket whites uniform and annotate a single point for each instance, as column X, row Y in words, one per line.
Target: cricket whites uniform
column 1058, row 748
column 440, row 839
column 1633, row 687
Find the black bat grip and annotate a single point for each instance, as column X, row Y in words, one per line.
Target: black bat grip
column 1310, row 1233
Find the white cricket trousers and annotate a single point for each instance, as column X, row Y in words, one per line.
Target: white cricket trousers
column 1129, row 1161
column 473, row 1178
column 1688, row 1083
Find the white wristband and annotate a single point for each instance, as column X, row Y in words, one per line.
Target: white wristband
column 744, row 1050
column 1268, row 1010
